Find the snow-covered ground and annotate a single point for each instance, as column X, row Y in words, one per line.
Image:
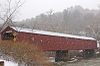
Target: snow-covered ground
column 89, row 62
column 9, row 63
column 51, row 59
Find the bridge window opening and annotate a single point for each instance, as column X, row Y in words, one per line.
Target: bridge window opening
column 8, row 36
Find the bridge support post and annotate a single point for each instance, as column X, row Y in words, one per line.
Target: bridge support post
column 88, row 53
column 61, row 55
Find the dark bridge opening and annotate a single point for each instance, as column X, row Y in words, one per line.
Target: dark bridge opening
column 8, row 36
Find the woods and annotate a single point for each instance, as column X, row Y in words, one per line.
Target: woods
column 73, row 20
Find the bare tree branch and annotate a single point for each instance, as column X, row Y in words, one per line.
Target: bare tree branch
column 11, row 11
column 2, row 19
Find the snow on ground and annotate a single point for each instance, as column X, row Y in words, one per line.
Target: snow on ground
column 89, row 62
column 9, row 63
column 51, row 59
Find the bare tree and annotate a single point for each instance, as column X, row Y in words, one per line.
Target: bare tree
column 94, row 31
column 9, row 10
column 50, row 12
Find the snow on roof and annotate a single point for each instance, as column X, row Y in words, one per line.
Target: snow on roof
column 28, row 30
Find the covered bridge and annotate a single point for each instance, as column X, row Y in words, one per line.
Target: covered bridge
column 51, row 41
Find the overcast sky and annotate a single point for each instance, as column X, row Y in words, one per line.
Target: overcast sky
column 31, row 8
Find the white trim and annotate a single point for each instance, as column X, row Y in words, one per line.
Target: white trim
column 9, row 31
column 98, row 45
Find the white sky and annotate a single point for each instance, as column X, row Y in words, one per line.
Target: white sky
column 31, row 8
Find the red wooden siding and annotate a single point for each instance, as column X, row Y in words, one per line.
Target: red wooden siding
column 62, row 43
column 24, row 37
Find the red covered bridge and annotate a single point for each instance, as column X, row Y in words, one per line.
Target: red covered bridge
column 50, row 41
